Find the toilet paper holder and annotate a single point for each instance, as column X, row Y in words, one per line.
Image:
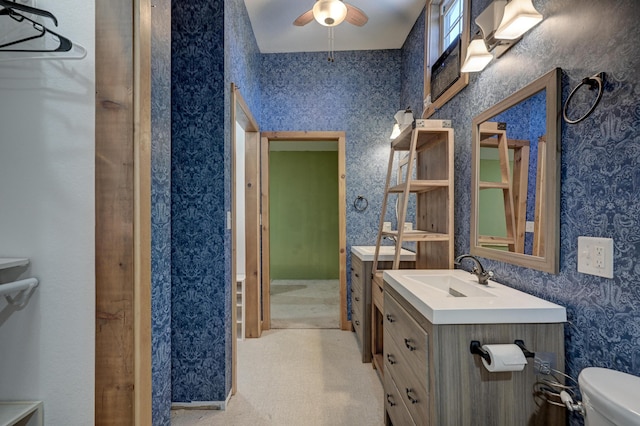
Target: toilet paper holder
column 476, row 348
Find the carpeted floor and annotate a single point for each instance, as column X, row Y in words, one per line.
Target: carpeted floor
column 305, row 304
column 298, row 377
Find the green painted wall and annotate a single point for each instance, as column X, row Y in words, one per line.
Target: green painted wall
column 491, row 202
column 303, row 214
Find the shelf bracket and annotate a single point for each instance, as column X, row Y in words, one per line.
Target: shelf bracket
column 23, row 288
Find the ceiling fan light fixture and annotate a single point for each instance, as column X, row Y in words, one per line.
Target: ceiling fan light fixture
column 329, row 12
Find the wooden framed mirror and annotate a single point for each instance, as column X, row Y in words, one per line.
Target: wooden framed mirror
column 515, row 177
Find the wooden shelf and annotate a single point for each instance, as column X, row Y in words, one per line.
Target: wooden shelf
column 494, row 185
column 426, row 137
column 418, row 235
column 420, row 186
column 12, row 262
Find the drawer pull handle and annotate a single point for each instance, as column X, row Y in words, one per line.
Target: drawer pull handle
column 407, row 343
column 390, row 318
column 357, row 299
column 391, row 359
column 390, row 400
column 410, row 396
column 357, row 322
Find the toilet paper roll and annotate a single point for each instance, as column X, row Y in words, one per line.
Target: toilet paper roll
column 507, row 357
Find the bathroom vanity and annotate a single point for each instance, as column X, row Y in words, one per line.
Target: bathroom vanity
column 432, row 378
column 361, row 293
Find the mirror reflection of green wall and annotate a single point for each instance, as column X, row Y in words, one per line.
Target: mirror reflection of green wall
column 303, row 191
column 491, row 220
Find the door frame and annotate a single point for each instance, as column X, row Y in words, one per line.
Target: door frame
column 241, row 114
column 266, row 139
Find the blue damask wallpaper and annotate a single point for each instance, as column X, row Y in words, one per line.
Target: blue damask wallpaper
column 199, row 319
column 161, row 211
column 412, row 72
column 600, row 170
column 212, row 45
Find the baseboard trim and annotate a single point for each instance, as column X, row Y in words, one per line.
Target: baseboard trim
column 202, row 405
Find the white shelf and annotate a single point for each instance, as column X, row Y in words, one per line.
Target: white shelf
column 16, row 412
column 11, row 262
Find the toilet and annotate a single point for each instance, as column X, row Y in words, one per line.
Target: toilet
column 609, row 397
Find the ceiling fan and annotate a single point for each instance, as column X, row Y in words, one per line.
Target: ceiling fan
column 331, row 13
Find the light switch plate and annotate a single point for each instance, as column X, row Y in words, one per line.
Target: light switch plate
column 595, row 256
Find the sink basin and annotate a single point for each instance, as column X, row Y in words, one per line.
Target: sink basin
column 451, row 286
column 454, row 296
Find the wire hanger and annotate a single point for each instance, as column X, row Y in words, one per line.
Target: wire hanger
column 64, row 45
column 11, row 5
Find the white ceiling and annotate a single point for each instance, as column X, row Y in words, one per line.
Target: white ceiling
column 389, row 24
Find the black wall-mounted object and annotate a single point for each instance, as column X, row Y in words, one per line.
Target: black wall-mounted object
column 446, row 70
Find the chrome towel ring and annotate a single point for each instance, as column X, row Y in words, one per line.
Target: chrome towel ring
column 595, row 81
column 360, row 203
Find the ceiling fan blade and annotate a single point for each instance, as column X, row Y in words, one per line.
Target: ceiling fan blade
column 304, row 19
column 355, row 16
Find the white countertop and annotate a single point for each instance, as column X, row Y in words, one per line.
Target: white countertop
column 365, row 253
column 491, row 304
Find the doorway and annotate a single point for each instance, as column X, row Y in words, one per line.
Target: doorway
column 245, row 227
column 297, row 224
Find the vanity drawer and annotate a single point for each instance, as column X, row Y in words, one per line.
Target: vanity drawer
column 404, row 337
column 357, row 270
column 411, row 386
column 358, row 325
column 377, row 292
column 394, row 405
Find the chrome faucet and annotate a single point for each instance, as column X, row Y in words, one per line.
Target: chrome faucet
column 478, row 269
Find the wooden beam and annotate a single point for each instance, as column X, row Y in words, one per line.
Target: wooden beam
column 122, row 197
column 142, row 213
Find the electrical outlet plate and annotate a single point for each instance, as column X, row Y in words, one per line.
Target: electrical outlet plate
column 595, row 256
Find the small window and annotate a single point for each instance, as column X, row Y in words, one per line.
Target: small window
column 451, row 25
column 447, row 23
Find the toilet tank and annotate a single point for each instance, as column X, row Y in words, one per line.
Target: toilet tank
column 610, row 397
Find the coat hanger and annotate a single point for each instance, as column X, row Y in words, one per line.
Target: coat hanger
column 11, row 5
column 64, row 45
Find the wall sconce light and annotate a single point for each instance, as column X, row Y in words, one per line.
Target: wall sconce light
column 502, row 24
column 403, row 118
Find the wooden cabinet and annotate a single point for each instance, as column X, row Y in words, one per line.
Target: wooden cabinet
column 431, row 378
column 362, row 295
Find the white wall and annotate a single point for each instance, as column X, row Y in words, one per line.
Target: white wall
column 47, row 214
column 241, row 251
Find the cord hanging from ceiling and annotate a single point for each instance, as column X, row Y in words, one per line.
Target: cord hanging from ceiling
column 330, row 56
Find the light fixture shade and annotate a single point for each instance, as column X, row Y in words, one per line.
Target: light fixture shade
column 478, row 57
column 395, row 131
column 329, row 12
column 519, row 17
